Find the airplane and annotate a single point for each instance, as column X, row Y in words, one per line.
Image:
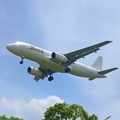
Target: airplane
column 53, row 62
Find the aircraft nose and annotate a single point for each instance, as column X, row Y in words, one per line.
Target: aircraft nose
column 9, row 47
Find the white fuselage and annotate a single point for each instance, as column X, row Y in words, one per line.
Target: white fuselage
column 43, row 57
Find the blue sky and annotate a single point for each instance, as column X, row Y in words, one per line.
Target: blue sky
column 62, row 26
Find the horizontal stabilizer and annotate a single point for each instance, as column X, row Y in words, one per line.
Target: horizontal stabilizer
column 106, row 71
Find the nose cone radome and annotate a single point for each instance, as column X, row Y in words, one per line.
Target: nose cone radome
column 10, row 47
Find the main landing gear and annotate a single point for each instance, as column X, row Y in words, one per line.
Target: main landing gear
column 22, row 58
column 50, row 78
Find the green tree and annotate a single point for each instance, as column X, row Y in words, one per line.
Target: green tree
column 3, row 117
column 63, row 111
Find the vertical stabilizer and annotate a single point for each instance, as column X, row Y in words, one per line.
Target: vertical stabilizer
column 97, row 64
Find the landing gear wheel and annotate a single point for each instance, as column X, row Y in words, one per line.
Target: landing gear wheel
column 50, row 78
column 21, row 62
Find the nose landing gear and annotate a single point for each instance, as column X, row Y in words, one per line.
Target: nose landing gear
column 22, row 58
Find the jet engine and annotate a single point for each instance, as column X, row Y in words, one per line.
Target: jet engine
column 59, row 58
column 34, row 71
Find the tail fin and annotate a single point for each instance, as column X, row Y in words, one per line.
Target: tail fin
column 97, row 64
column 106, row 71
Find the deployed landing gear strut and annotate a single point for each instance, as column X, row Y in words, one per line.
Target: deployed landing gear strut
column 22, row 58
column 51, row 77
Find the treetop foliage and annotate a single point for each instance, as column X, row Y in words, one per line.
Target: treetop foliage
column 63, row 111
column 3, row 117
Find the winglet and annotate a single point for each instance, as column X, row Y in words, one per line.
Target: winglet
column 108, row 41
column 112, row 41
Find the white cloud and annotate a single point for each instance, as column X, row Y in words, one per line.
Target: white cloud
column 33, row 109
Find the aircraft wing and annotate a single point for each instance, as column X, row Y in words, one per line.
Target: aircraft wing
column 45, row 71
column 73, row 56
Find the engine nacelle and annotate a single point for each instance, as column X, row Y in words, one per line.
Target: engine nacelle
column 34, row 71
column 59, row 58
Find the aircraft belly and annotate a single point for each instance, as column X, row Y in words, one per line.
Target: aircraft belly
column 49, row 64
column 43, row 61
column 82, row 70
column 32, row 55
column 53, row 67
